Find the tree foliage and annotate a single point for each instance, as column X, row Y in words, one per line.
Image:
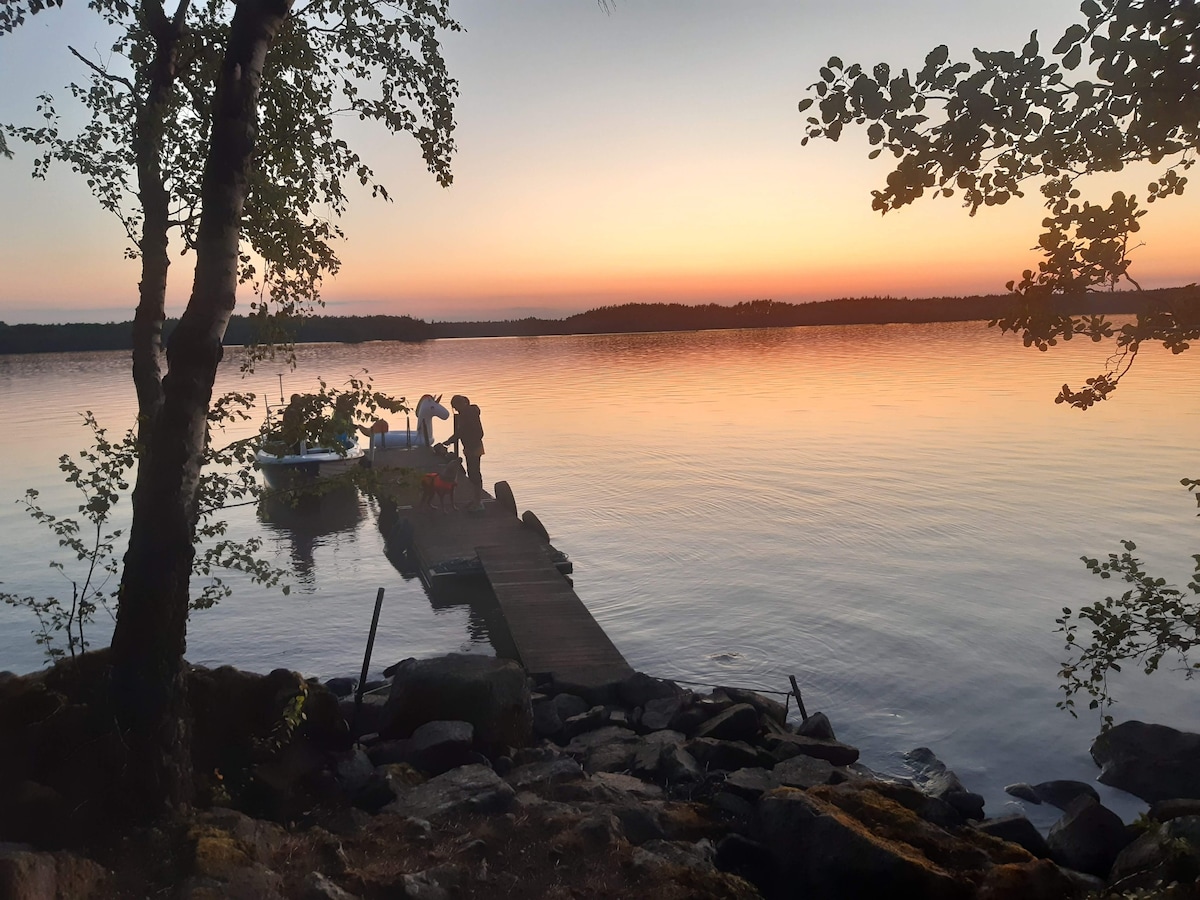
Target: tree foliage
column 1118, row 88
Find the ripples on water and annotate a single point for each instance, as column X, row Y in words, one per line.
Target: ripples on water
column 894, row 514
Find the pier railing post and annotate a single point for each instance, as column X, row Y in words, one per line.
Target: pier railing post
column 796, row 691
column 362, row 679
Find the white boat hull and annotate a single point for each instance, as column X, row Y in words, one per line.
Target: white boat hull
column 311, row 464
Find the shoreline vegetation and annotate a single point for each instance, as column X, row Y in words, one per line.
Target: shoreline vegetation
column 625, row 318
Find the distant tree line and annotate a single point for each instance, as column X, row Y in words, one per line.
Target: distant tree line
column 119, row 335
column 642, row 317
column 625, row 318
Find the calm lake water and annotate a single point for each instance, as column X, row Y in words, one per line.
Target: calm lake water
column 894, row 514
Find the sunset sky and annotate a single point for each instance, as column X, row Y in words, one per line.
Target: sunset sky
column 648, row 154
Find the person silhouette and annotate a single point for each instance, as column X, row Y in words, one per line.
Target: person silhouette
column 468, row 432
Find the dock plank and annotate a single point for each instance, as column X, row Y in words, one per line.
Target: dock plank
column 553, row 631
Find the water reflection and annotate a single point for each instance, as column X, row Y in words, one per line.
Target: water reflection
column 307, row 519
column 485, row 621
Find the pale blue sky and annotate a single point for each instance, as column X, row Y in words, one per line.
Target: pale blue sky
column 652, row 153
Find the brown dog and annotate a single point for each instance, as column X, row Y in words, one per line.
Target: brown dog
column 441, row 485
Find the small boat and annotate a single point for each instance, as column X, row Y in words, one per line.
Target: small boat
column 285, row 466
column 289, row 456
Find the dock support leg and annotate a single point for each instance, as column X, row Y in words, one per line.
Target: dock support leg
column 799, row 699
column 362, row 679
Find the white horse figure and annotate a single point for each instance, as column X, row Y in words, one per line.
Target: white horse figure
column 428, row 407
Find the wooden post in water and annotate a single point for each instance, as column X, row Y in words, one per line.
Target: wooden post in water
column 362, row 679
column 795, row 690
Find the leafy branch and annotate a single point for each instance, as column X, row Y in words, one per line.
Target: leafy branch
column 100, row 472
column 983, row 130
column 1150, row 621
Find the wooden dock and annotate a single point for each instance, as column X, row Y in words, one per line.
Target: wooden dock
column 554, row 635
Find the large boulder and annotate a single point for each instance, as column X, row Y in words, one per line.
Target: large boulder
column 785, row 746
column 492, row 694
column 1153, row 762
column 582, row 744
column 257, row 839
column 1063, row 792
column 725, row 756
column 1165, row 810
column 1022, row 790
column 465, row 789
column 866, row 840
column 29, row 875
column 550, row 712
column 765, row 706
column 660, row 757
column 569, row 705
column 363, row 718
column 698, row 710
column 614, row 757
column 342, row 686
column 546, row 721
column 738, row 723
column 676, row 765
column 817, row 726
column 440, row 746
column 639, row 688
column 930, row 809
column 588, row 720
column 353, row 769
column 1035, row 880
column 748, row 859
column 1016, row 829
column 804, row 772
column 931, row 776
column 434, row 748
column 821, row 851
column 659, row 713
column 750, row 784
column 1168, row 852
column 1087, row 838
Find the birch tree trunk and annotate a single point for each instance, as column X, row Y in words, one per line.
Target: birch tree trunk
column 150, row 637
column 148, row 131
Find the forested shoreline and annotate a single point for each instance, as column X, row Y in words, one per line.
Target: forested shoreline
column 625, row 318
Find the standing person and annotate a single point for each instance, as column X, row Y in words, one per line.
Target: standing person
column 342, row 420
column 468, row 430
column 293, row 423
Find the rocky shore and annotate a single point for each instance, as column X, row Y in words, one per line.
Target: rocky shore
column 460, row 778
